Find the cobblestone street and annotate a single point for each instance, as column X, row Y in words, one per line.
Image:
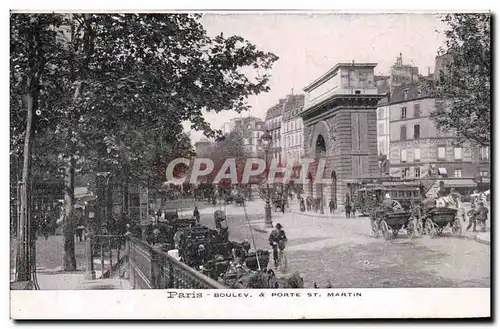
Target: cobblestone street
column 340, row 252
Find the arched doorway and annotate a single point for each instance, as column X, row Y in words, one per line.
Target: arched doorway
column 334, row 189
column 320, row 152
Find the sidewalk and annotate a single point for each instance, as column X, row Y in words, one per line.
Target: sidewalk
column 58, row 280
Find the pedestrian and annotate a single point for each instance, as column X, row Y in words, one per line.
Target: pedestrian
column 481, row 216
column 331, row 204
column 308, row 203
column 302, row 205
column 80, row 224
column 283, row 202
column 348, row 210
column 156, row 235
column 150, row 234
column 353, row 210
column 277, row 239
column 196, row 214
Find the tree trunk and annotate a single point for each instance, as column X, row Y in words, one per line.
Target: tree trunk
column 69, row 261
column 23, row 259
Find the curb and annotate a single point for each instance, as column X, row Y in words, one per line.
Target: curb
column 483, row 241
column 329, row 216
column 310, row 214
column 260, row 230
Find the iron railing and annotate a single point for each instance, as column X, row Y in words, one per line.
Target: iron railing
column 109, row 251
column 150, row 268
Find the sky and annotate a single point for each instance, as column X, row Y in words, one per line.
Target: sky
column 310, row 44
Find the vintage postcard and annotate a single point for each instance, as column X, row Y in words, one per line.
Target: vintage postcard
column 213, row 165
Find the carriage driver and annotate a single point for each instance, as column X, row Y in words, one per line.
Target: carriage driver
column 390, row 204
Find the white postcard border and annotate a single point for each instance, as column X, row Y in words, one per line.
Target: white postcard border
column 253, row 304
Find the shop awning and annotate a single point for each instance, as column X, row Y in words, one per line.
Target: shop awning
column 459, row 183
column 442, row 171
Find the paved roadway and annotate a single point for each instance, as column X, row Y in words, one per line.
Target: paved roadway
column 341, row 253
column 338, row 252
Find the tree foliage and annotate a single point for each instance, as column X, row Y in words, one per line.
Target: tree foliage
column 116, row 89
column 465, row 78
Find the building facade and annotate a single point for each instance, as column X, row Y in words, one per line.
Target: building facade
column 402, row 74
column 251, row 129
column 383, row 135
column 292, row 129
column 273, row 125
column 202, row 147
column 340, row 125
column 418, row 149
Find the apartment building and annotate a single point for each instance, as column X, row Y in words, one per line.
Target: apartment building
column 292, row 129
column 419, row 149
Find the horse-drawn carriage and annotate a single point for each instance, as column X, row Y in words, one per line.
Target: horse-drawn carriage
column 390, row 217
column 390, row 223
column 229, row 198
column 370, row 196
column 436, row 219
column 239, row 200
column 278, row 204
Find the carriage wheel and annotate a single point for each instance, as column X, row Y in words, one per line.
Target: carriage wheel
column 456, row 227
column 385, row 230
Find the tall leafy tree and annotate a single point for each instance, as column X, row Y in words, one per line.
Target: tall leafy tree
column 31, row 47
column 120, row 80
column 465, row 80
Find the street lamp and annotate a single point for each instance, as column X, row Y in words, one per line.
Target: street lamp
column 266, row 140
column 90, row 272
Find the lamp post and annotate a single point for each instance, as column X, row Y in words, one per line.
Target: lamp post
column 90, row 272
column 266, row 140
column 106, row 176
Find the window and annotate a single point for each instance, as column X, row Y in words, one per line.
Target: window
column 483, row 173
column 441, row 152
column 403, row 113
column 404, row 156
column 357, row 92
column 416, row 131
column 403, row 133
column 416, row 110
column 293, row 125
column 404, row 173
column 416, row 155
column 405, row 93
column 296, row 139
column 458, row 153
column 417, row 172
column 439, row 105
column 458, row 173
column 484, row 153
column 380, row 113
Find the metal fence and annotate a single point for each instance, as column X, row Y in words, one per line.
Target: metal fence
column 150, row 268
column 108, row 250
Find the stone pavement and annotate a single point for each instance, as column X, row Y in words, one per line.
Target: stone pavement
column 50, row 275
